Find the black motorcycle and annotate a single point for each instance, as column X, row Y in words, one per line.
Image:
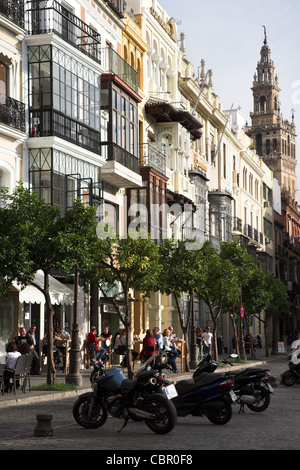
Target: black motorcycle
column 126, row 399
column 251, row 385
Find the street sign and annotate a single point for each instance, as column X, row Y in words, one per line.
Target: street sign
column 242, row 312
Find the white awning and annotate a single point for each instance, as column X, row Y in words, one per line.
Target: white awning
column 59, row 293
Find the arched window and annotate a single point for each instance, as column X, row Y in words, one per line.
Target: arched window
column 262, row 103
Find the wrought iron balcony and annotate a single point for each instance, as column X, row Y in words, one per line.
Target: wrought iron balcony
column 52, row 17
column 13, row 10
column 152, row 157
column 118, row 6
column 114, row 152
column 12, row 113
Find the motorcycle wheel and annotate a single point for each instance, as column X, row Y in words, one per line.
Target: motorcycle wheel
column 263, row 399
column 223, row 417
column 81, row 410
column 288, row 379
column 164, row 411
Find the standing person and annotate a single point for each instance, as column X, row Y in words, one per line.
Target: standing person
column 171, row 352
column 93, row 347
column 32, row 333
column 207, row 337
column 61, row 338
column 199, row 338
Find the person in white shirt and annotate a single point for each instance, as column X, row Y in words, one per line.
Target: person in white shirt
column 207, row 337
column 12, row 355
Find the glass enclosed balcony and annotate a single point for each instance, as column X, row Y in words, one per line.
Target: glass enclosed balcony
column 114, row 63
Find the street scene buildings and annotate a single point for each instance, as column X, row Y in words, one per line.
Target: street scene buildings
column 98, row 100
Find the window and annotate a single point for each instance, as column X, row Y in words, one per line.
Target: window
column 124, row 122
column 3, row 83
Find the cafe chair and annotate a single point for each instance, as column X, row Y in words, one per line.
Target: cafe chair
column 22, row 371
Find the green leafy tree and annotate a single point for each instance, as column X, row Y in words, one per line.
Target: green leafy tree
column 180, row 275
column 35, row 236
column 133, row 264
column 218, row 286
column 248, row 274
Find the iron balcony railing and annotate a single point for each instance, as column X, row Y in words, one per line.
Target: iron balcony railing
column 112, row 151
column 118, row 6
column 151, row 156
column 52, row 17
column 12, row 113
column 13, row 10
column 44, row 123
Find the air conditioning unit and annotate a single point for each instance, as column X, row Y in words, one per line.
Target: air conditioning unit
column 267, row 204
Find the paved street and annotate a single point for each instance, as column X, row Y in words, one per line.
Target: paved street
column 275, row 429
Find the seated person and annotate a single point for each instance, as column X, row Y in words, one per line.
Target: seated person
column 105, row 335
column 12, row 355
column 120, row 344
column 148, row 346
column 24, row 338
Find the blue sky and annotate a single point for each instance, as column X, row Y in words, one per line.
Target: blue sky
column 229, row 34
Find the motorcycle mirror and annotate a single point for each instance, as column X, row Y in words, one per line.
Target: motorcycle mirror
column 107, row 342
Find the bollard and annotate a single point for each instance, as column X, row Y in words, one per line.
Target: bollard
column 43, row 427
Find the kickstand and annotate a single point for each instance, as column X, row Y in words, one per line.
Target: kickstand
column 242, row 409
column 124, row 425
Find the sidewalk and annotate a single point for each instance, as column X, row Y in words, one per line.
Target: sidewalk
column 10, row 399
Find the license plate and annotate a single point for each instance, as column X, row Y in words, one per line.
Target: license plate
column 170, row 391
column 232, row 396
column 270, row 388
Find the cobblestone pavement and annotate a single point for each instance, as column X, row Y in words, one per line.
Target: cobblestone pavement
column 277, row 428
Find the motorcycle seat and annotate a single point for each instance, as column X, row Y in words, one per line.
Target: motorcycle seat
column 249, row 370
column 185, row 386
column 127, row 386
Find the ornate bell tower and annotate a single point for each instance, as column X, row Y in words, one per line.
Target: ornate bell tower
column 273, row 137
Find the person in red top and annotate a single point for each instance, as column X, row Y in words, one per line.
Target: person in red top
column 148, row 346
column 93, row 347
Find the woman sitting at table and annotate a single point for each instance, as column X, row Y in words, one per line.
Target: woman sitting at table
column 171, row 352
column 148, row 346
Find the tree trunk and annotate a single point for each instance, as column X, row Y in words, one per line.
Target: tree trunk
column 266, row 338
column 184, row 328
column 51, row 373
column 274, row 351
column 235, row 334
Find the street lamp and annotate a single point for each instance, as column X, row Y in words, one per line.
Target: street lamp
column 74, row 377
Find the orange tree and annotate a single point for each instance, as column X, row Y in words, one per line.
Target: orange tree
column 35, row 236
column 130, row 263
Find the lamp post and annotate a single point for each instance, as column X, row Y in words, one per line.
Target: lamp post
column 74, row 377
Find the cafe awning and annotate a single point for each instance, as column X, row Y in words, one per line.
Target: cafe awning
column 59, row 293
